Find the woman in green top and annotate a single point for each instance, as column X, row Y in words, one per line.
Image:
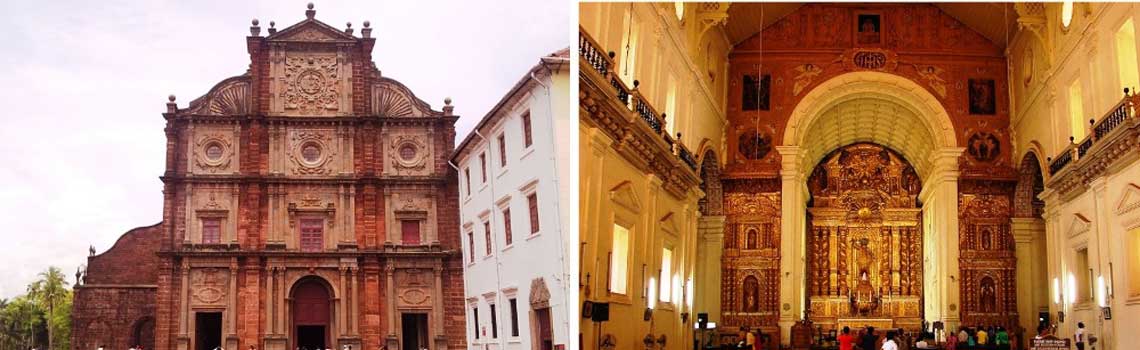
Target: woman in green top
column 1002, row 339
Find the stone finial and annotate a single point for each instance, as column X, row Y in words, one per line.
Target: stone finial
column 171, row 106
column 272, row 30
column 310, row 13
column 254, row 29
column 448, row 109
column 348, row 28
column 367, row 31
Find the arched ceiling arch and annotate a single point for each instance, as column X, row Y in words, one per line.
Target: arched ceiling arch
column 870, row 107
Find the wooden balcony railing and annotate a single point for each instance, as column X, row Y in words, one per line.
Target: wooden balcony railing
column 592, row 55
column 1118, row 115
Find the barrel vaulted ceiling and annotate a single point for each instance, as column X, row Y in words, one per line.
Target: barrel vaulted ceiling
column 994, row 20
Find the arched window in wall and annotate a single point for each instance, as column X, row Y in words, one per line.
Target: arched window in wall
column 619, row 260
column 628, row 52
column 1126, row 55
column 1077, row 120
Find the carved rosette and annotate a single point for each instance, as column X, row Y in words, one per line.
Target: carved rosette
column 311, row 84
column 408, row 153
column 311, row 152
column 213, row 152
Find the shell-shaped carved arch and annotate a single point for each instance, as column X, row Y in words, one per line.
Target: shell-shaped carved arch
column 392, row 99
column 229, row 97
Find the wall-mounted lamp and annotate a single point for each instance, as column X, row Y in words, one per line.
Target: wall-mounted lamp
column 1056, row 290
column 652, row 299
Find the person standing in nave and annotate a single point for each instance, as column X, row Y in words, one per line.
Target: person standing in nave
column 1080, row 336
column 952, row 341
column 1001, row 339
column 869, row 339
column 846, row 340
column 890, row 343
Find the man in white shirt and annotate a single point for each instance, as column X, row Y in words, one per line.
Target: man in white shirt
column 890, row 344
column 1080, row 336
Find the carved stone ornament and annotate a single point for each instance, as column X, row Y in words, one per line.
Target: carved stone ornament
column 392, row 99
column 312, row 204
column 229, row 97
column 213, row 152
column 408, row 153
column 208, row 286
column 414, row 297
column 539, row 294
column 311, row 84
column 311, row 153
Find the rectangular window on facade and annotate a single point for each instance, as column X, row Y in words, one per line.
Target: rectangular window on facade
column 503, row 149
column 475, row 317
column 532, row 204
column 494, row 323
column 487, row 232
column 666, row 278
column 619, row 260
column 410, row 230
column 1126, row 55
column 471, row 245
column 514, row 317
column 527, row 139
column 211, row 230
column 312, row 235
column 483, row 166
column 467, row 179
column 507, row 226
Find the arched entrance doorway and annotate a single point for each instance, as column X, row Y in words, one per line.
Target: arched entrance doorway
column 1028, row 227
column 311, row 314
column 864, row 239
column 142, row 333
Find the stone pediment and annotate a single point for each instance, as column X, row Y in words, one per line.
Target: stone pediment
column 1079, row 225
column 311, row 30
column 1130, row 200
column 623, row 195
column 669, row 223
column 392, row 99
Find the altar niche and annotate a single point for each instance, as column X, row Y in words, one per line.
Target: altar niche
column 865, row 239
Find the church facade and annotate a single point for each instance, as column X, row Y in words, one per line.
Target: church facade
column 307, row 204
column 792, row 168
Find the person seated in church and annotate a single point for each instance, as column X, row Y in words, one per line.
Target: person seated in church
column 952, row 341
column 983, row 337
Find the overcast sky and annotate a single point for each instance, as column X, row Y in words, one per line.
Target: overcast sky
column 85, row 83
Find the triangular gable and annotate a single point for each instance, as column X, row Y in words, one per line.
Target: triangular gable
column 1079, row 225
column 669, row 223
column 1129, row 200
column 623, row 195
column 311, row 30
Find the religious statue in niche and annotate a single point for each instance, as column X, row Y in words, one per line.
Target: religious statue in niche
column 983, row 146
column 987, row 239
column 756, row 93
column 869, row 29
column 982, row 100
column 754, row 145
column 806, row 74
column 751, row 238
column 987, row 302
column 751, row 294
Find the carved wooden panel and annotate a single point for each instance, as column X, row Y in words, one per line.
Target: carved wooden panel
column 751, row 259
column 987, row 257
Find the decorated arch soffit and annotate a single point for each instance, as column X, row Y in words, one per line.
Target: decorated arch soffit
column 907, row 103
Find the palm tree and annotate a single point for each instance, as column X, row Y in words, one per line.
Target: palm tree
column 43, row 292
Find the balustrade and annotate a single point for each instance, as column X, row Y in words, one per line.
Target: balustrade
column 1109, row 122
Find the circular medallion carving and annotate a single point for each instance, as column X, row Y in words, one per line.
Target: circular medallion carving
column 408, row 152
column 209, row 295
column 310, row 82
column 983, row 146
column 311, row 152
column 214, row 151
column 754, row 145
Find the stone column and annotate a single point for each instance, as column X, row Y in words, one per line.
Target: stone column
column 270, row 286
column 437, row 308
column 940, row 235
column 793, row 205
column 710, row 248
column 1101, row 257
column 390, row 271
column 342, row 308
column 1029, row 237
column 1053, row 252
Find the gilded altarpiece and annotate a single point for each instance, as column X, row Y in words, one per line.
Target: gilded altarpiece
column 750, row 285
column 988, row 260
column 865, row 239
